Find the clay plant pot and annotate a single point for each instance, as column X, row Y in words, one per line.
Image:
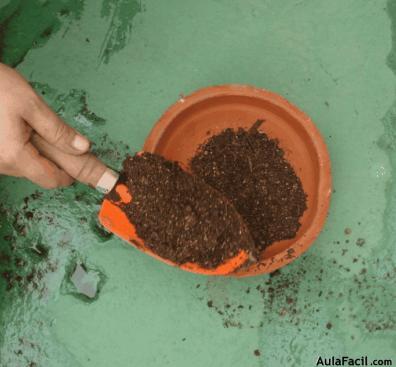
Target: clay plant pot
column 193, row 119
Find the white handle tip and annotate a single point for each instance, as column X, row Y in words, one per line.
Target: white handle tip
column 107, row 181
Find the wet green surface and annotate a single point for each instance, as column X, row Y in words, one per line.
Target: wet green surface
column 110, row 68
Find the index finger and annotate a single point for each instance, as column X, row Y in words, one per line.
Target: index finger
column 53, row 129
column 85, row 168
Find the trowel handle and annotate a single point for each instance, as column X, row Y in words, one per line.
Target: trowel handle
column 107, row 181
column 85, row 168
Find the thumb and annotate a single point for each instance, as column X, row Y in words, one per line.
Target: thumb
column 85, row 168
column 53, row 129
column 41, row 171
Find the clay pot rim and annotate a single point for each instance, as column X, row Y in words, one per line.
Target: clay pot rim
column 324, row 187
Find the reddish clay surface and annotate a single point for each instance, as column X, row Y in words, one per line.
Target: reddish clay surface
column 191, row 120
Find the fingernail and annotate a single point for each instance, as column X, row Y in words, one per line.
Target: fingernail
column 80, row 143
column 107, row 181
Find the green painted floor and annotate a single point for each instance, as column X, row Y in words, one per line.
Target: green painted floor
column 110, row 68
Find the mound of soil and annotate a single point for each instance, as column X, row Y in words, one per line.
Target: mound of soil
column 179, row 216
column 250, row 169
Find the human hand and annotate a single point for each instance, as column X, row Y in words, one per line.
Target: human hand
column 36, row 144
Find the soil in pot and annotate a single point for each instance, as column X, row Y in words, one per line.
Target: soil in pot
column 250, row 169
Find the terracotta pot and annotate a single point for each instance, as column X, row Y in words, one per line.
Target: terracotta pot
column 193, row 119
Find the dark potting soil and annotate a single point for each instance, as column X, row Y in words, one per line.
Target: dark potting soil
column 250, row 170
column 178, row 216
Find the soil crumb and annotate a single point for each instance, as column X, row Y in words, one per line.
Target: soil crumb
column 178, row 216
column 250, row 169
column 360, row 242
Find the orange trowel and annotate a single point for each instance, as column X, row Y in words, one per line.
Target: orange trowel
column 111, row 214
column 115, row 220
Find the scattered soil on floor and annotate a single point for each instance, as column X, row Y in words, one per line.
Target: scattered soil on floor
column 360, row 242
column 180, row 217
column 250, row 170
